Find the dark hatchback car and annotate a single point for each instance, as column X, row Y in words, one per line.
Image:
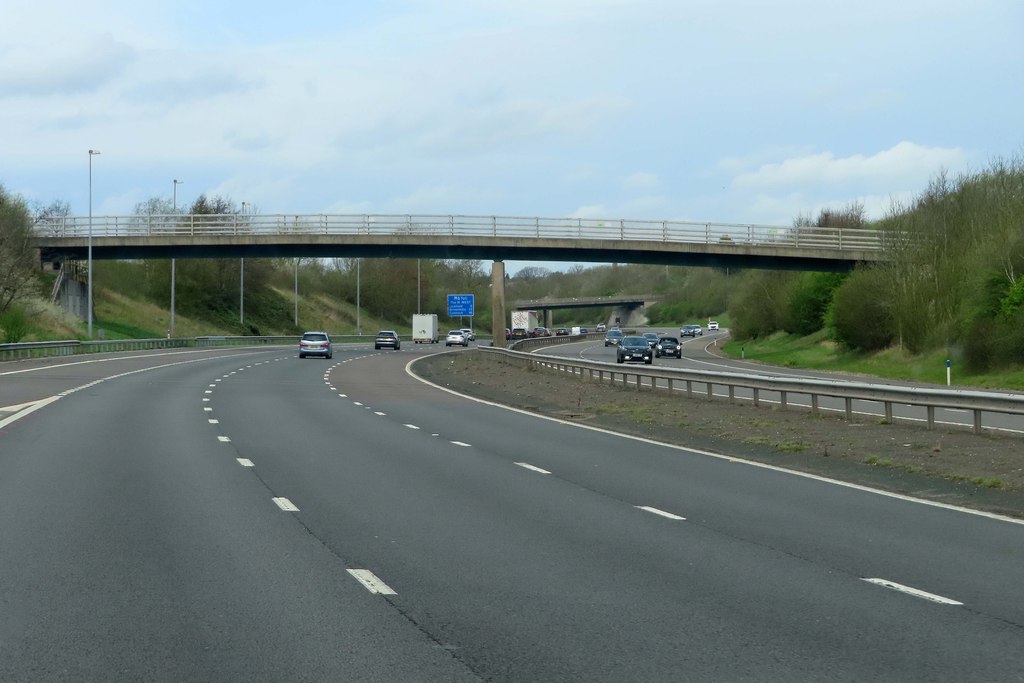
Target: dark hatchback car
column 315, row 344
column 634, row 350
column 387, row 338
column 668, row 346
column 613, row 337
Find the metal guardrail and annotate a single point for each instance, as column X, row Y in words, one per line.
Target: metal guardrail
column 977, row 402
column 72, row 347
column 525, row 227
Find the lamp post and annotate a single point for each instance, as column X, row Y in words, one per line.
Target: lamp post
column 92, row 153
column 241, row 280
column 174, row 209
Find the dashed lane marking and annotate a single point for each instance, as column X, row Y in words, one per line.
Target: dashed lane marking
column 371, row 582
column 285, row 504
column 662, row 513
column 534, row 468
column 885, row 583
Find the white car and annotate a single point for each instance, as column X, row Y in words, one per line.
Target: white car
column 457, row 337
column 712, row 325
column 470, row 335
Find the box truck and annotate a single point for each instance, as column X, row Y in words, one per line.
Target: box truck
column 424, row 328
column 525, row 319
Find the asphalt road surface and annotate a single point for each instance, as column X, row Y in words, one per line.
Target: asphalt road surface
column 239, row 514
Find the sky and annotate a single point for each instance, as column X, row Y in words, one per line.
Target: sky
column 728, row 111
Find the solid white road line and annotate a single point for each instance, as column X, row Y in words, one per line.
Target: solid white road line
column 913, row 591
column 371, row 582
column 245, row 462
column 531, row 467
column 31, row 408
column 286, row 504
column 656, row 511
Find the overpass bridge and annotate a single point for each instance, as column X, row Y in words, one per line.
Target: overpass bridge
column 472, row 237
column 624, row 303
column 494, row 238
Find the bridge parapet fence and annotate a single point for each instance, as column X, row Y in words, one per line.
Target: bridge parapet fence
column 515, row 227
column 703, row 382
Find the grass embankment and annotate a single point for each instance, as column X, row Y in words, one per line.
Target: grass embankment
column 817, row 352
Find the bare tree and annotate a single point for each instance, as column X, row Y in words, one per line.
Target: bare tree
column 17, row 258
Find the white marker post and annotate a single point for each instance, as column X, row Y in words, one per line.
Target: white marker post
column 949, row 377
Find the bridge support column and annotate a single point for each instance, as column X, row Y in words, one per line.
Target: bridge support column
column 498, row 303
column 549, row 315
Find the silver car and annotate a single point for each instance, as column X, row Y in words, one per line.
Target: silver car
column 457, row 337
column 315, row 344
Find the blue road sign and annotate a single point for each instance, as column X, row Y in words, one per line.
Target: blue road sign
column 460, row 305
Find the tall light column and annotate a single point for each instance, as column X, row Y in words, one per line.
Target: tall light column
column 92, row 153
column 359, row 328
column 174, row 209
column 296, row 292
column 241, row 280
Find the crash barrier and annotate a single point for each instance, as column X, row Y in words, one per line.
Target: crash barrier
column 705, row 381
column 73, row 347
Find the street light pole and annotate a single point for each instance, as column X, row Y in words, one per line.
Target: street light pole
column 174, row 208
column 92, row 153
column 296, row 292
column 359, row 328
column 241, row 281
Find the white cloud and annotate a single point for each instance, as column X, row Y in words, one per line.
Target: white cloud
column 66, row 66
column 641, row 181
column 902, row 162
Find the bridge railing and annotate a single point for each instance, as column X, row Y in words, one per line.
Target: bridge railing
column 516, row 227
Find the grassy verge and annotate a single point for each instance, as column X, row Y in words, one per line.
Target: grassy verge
column 816, row 352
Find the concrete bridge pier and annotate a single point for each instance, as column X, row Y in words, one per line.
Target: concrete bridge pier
column 498, row 303
column 549, row 315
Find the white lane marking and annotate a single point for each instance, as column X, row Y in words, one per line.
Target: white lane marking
column 205, row 400
column 223, row 439
column 371, row 582
column 245, row 462
column 208, row 409
column 531, row 467
column 659, row 512
column 285, row 504
column 377, row 412
column 720, row 456
column 885, row 583
column 16, row 408
column 213, row 421
column 342, row 395
column 208, row 391
column 356, row 403
column 412, row 426
column 217, row 380
column 460, row 443
column 211, row 385
column 31, row 408
column 58, row 366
